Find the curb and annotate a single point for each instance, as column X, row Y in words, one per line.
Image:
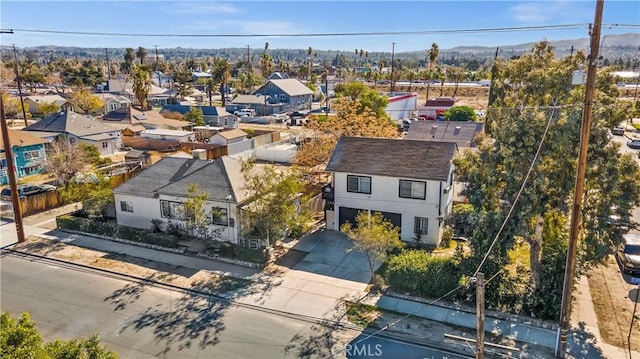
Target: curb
column 229, row 299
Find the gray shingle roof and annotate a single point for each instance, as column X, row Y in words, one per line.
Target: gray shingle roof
column 172, row 176
column 393, row 158
column 70, row 122
column 462, row 133
column 292, row 87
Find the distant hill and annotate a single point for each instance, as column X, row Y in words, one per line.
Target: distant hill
column 625, row 46
column 612, row 46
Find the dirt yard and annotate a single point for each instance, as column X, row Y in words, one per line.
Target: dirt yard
column 161, row 272
column 613, row 299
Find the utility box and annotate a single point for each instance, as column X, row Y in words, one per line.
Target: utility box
column 579, row 77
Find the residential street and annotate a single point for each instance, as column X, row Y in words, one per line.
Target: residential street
column 140, row 321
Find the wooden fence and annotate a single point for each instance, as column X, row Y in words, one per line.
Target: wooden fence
column 48, row 200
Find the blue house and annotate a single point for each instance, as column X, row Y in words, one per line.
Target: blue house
column 28, row 154
column 276, row 95
column 213, row 116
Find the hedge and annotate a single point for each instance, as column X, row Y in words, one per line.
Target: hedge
column 250, row 255
column 420, row 273
column 111, row 229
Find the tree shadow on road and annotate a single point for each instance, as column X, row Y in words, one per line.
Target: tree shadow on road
column 321, row 339
column 583, row 344
column 186, row 320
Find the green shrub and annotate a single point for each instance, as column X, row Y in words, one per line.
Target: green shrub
column 69, row 222
column 420, row 273
column 460, row 113
column 227, row 250
column 250, row 255
column 129, row 233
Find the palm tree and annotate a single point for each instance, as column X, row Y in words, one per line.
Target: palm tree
column 209, row 86
column 129, row 56
column 221, row 74
column 432, row 56
column 309, row 52
column 141, row 54
column 141, row 86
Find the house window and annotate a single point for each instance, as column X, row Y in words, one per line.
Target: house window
column 105, row 144
column 413, row 189
column 170, row 209
column 220, row 216
column 32, row 155
column 282, row 96
column 359, row 184
column 126, row 206
column 421, row 225
column 113, row 106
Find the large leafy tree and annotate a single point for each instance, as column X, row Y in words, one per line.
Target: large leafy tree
column 86, row 101
column 21, row 339
column 367, row 99
column 523, row 118
column 47, row 108
column 129, row 58
column 276, row 202
column 195, row 116
column 86, row 73
column 324, row 131
column 65, row 159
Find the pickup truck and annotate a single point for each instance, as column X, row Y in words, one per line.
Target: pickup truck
column 245, row 112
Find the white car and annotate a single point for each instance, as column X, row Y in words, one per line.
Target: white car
column 245, row 113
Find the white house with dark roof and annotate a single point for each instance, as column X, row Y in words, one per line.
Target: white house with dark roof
column 410, row 182
column 160, row 191
column 35, row 101
column 276, row 95
column 77, row 127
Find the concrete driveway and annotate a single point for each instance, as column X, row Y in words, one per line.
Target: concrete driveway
column 324, row 269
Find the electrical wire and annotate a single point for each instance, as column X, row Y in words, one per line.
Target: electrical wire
column 331, row 34
column 522, row 187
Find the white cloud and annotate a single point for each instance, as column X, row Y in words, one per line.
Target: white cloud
column 202, row 8
column 541, row 11
column 246, row 27
column 530, row 13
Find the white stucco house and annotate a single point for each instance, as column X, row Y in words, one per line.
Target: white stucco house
column 409, row 181
column 160, row 191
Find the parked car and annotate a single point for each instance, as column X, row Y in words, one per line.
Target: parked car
column 635, row 143
column 297, row 114
column 618, row 131
column 628, row 253
column 25, row 190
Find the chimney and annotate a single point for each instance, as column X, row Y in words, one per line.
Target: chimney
column 199, row 154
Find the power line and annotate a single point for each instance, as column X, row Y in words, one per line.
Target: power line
column 332, row 34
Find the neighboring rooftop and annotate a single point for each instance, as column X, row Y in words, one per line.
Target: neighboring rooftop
column 231, row 134
column 393, row 158
column 292, row 87
column 21, row 139
column 72, row 123
column 462, row 133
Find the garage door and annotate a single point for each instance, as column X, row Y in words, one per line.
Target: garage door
column 349, row 214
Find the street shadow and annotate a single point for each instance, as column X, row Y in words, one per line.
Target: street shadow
column 291, row 258
column 159, row 266
column 321, row 340
column 634, row 295
column 583, row 344
column 187, row 321
column 42, row 248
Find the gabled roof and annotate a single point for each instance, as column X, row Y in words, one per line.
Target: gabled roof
column 231, row 134
column 57, row 99
column 131, row 116
column 278, row 75
column 21, row 139
column 462, row 133
column 172, row 176
column 292, row 87
column 250, row 99
column 393, row 158
column 72, row 123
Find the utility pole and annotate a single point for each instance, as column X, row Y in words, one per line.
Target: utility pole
column 249, row 68
column 106, row 54
column 11, row 174
column 19, row 81
column 633, row 316
column 480, row 315
column 393, row 79
column 571, row 50
column 574, row 231
column 156, row 67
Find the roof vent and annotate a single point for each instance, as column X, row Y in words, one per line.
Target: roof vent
column 458, row 128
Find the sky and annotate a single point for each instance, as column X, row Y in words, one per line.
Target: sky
column 302, row 17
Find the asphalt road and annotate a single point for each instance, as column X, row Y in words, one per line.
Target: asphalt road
column 141, row 321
